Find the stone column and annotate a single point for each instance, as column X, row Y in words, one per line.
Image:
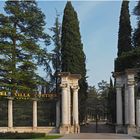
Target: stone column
column 34, row 113
column 75, row 106
column 119, row 105
column 126, row 105
column 10, row 112
column 138, row 112
column 69, row 105
column 64, row 105
column 131, row 97
column 58, row 113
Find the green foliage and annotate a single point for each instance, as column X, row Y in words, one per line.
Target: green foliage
column 128, row 60
column 136, row 35
column 94, row 106
column 21, row 30
column 124, row 35
column 56, row 52
column 73, row 57
column 111, row 103
column 11, row 135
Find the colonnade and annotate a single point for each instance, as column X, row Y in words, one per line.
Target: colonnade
column 126, row 81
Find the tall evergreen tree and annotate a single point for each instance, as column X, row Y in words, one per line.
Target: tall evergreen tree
column 56, row 52
column 111, row 102
column 21, row 30
column 73, row 57
column 136, row 35
column 124, row 35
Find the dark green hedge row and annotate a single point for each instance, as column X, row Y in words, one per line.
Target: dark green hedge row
column 10, row 135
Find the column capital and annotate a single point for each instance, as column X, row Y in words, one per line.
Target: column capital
column 10, row 98
column 119, row 81
column 130, row 83
column 64, row 85
column 75, row 87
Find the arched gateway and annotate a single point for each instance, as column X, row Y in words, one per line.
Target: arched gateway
column 67, row 121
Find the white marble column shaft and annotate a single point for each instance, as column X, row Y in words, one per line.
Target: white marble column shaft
column 58, row 113
column 64, row 106
column 10, row 113
column 34, row 113
column 138, row 112
column 131, row 100
column 69, row 105
column 126, row 106
column 75, row 107
column 119, row 105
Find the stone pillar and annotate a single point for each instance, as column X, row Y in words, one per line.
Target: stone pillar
column 69, row 105
column 119, row 99
column 58, row 113
column 75, row 106
column 119, row 105
column 34, row 113
column 131, row 104
column 126, row 105
column 131, row 97
column 64, row 105
column 138, row 112
column 10, row 112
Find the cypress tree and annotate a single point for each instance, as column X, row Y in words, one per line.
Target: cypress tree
column 21, row 30
column 111, row 102
column 124, row 35
column 136, row 35
column 73, row 57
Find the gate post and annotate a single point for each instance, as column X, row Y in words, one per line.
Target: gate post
column 75, row 109
column 58, row 113
column 65, row 126
column 34, row 113
column 119, row 107
column 73, row 80
column 138, row 112
column 10, row 112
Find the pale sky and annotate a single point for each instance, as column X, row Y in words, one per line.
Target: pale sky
column 99, row 23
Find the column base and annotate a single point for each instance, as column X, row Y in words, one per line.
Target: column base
column 10, row 129
column 131, row 129
column 138, row 130
column 75, row 129
column 34, row 128
column 64, row 129
column 120, row 129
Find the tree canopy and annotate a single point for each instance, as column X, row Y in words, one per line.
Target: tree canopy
column 21, row 30
column 73, row 57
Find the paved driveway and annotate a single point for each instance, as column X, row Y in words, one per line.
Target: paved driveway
column 102, row 127
column 96, row 136
column 104, row 132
